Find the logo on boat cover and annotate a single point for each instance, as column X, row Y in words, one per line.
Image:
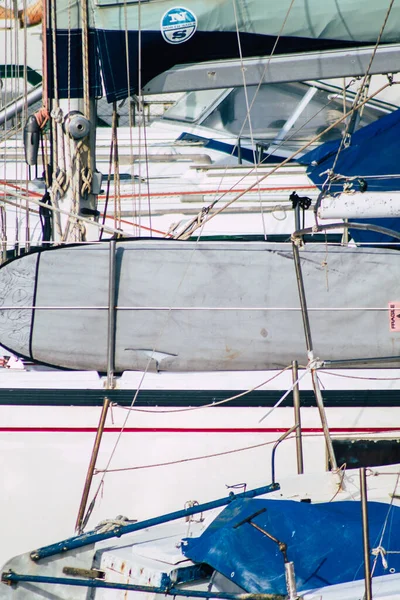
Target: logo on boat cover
column 394, row 316
column 178, row 25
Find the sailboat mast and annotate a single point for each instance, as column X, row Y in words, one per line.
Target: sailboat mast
column 75, row 183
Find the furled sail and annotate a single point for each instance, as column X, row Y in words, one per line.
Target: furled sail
column 186, row 306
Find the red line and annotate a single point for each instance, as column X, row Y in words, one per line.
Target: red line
column 193, row 430
column 140, row 226
column 20, row 188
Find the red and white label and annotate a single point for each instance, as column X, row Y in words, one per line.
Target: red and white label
column 394, row 316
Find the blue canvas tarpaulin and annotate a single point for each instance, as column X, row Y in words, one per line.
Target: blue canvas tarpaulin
column 323, row 540
column 374, row 151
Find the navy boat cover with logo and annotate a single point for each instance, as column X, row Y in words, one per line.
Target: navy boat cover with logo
column 323, row 540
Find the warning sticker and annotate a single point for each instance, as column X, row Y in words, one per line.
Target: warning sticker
column 394, row 316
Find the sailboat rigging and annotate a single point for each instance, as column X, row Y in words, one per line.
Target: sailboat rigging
column 192, row 305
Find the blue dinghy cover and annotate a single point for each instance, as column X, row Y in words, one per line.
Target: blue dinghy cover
column 374, row 150
column 323, row 540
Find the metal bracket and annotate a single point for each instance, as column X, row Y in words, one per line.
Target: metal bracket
column 86, row 573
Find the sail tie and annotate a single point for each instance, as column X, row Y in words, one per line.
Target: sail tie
column 57, row 115
column 60, row 183
column 42, row 117
column 314, row 363
column 86, row 177
column 380, row 551
column 111, row 524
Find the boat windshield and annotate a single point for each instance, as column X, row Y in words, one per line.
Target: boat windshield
column 194, row 106
column 296, row 111
column 290, row 113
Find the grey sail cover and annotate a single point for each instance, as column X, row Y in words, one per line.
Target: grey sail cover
column 187, row 306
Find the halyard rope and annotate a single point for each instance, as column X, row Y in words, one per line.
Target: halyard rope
column 361, row 89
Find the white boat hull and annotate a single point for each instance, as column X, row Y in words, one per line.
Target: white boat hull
column 142, row 557
column 167, row 454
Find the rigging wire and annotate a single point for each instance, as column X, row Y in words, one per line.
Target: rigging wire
column 308, row 434
column 343, row 141
column 69, row 159
column 142, row 130
column 117, row 188
column 364, row 378
column 85, row 57
column 107, row 198
column 187, row 230
column 54, row 209
column 57, row 173
column 128, row 78
column 286, row 394
column 266, row 67
column 247, row 117
column 189, row 459
column 289, row 158
column 25, row 116
column 380, row 551
column 144, row 373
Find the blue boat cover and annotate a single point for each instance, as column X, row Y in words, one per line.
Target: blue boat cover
column 374, row 150
column 323, row 540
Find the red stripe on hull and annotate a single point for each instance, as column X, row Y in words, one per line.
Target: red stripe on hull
column 192, row 430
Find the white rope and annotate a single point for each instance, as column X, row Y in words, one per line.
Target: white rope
column 361, row 377
column 112, row 524
column 86, row 180
column 60, row 183
column 379, row 550
column 211, row 405
column 285, row 395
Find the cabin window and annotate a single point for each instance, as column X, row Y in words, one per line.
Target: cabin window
column 366, row 453
column 193, row 105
